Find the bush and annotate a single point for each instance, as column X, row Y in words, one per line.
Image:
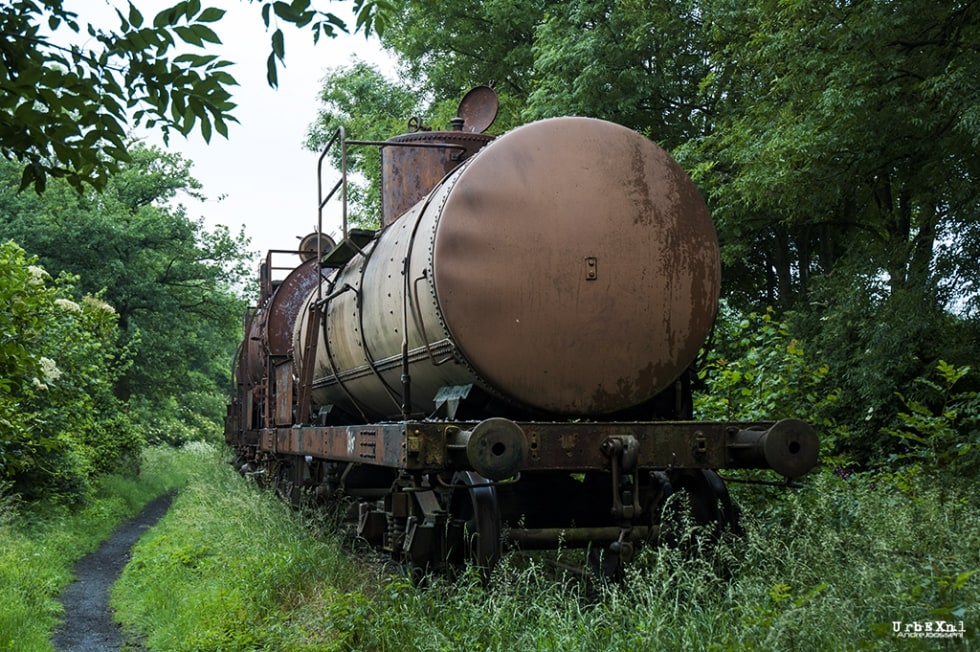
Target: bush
column 60, row 423
column 940, row 425
column 755, row 370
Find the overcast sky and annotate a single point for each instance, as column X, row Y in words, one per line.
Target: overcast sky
column 266, row 178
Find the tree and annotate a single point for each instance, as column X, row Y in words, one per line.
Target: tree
column 842, row 166
column 844, row 131
column 448, row 46
column 634, row 63
column 173, row 284
column 65, row 107
column 368, row 107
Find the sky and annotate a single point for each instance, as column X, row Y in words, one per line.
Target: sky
column 262, row 176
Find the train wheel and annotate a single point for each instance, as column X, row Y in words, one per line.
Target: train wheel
column 473, row 531
column 705, row 501
column 288, row 481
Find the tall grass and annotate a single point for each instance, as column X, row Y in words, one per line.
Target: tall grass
column 39, row 546
column 827, row 567
column 227, row 568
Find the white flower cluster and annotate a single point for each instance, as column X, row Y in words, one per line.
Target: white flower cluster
column 50, row 371
column 67, row 305
column 98, row 304
column 37, row 274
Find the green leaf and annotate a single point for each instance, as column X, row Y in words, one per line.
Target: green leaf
column 271, row 74
column 205, row 33
column 211, row 15
column 206, row 128
column 286, row 12
column 220, row 126
column 135, row 17
column 165, row 18
column 188, row 35
column 195, row 60
column 27, row 177
column 278, row 44
column 191, row 8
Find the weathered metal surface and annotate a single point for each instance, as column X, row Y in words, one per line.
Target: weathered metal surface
column 790, row 447
column 282, row 311
column 574, row 537
column 367, row 319
column 251, row 366
column 409, row 173
column 314, row 245
column 283, row 415
column 572, row 447
column 478, row 109
column 576, row 266
column 569, row 267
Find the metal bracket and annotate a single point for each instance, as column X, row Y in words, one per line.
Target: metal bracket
column 623, row 453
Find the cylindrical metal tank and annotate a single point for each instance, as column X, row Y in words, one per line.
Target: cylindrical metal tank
column 278, row 318
column 570, row 267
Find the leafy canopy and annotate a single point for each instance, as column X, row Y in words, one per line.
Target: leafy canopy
column 173, row 284
column 70, row 89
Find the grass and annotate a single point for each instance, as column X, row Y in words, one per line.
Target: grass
column 229, row 568
column 827, row 567
column 38, row 548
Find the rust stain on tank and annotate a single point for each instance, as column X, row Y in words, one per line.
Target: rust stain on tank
column 630, row 391
column 639, row 186
column 285, row 306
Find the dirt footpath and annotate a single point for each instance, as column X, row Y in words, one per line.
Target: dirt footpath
column 88, row 625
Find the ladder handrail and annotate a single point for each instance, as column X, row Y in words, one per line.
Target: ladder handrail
column 341, row 184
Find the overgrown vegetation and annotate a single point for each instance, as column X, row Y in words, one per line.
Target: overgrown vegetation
column 830, row 566
column 39, row 547
column 120, row 315
column 60, row 423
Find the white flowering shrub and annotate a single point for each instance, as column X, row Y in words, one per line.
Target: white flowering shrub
column 60, row 423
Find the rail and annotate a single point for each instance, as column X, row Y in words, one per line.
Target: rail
column 340, row 137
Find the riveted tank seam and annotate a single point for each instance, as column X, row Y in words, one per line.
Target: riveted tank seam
column 328, row 349
column 458, row 354
column 368, row 355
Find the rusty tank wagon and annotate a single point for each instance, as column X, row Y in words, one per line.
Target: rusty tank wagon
column 506, row 362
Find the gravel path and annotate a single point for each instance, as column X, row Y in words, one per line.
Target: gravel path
column 88, row 625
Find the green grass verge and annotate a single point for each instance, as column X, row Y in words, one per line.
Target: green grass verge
column 229, row 568
column 39, row 547
column 828, row 567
